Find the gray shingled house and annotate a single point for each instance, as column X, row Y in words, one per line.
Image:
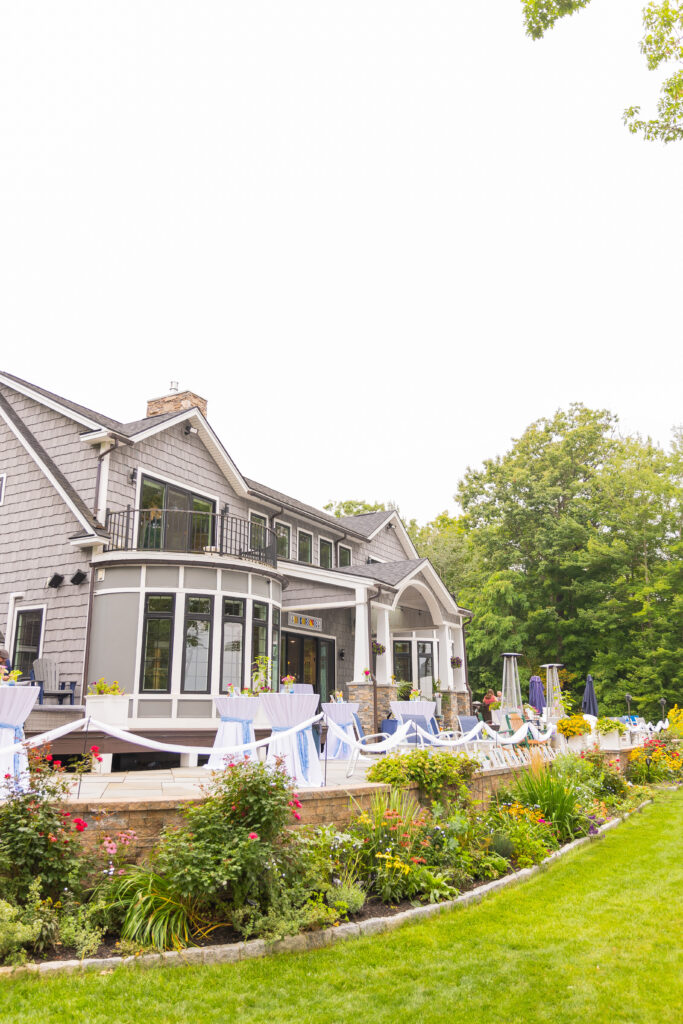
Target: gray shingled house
column 139, row 552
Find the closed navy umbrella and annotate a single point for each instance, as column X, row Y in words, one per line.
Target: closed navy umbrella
column 589, row 704
column 536, row 695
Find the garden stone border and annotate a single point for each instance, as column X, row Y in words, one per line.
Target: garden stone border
column 307, row 941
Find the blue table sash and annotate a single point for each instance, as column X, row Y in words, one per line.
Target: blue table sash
column 18, row 737
column 246, row 724
column 302, row 743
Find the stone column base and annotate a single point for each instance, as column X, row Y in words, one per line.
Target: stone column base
column 363, row 693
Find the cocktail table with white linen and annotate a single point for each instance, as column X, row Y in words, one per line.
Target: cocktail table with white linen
column 409, row 708
column 16, row 703
column 236, row 727
column 342, row 715
column 285, row 711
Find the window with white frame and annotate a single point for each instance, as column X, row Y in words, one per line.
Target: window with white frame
column 305, row 547
column 284, row 540
column 344, row 556
column 325, row 553
column 257, row 530
column 28, row 637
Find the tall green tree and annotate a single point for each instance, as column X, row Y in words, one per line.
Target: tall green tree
column 662, row 44
column 356, row 507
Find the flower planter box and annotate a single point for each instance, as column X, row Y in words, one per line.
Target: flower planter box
column 109, row 708
column 578, row 743
column 610, row 740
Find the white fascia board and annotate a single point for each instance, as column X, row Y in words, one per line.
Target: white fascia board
column 210, row 439
column 23, row 389
column 317, row 575
column 439, row 584
column 408, row 545
column 48, row 474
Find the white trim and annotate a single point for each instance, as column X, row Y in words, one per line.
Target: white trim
column 306, row 571
column 47, row 473
column 281, row 522
column 103, row 484
column 56, row 406
column 3, row 481
column 329, row 541
column 161, row 478
column 350, row 551
column 404, row 537
column 332, row 605
column 211, row 442
column 296, row 632
column 14, row 596
column 308, row 533
column 29, row 608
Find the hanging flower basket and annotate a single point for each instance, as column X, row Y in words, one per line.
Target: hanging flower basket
column 456, row 662
column 378, row 648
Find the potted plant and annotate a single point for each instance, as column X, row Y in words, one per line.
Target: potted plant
column 107, row 702
column 415, row 694
column 456, row 662
column 287, row 684
column 496, row 716
column 575, row 728
column 378, row 648
column 609, row 732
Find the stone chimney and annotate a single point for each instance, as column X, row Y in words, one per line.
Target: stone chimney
column 176, row 401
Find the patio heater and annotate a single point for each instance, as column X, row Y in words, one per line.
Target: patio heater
column 628, row 699
column 553, row 691
column 511, row 698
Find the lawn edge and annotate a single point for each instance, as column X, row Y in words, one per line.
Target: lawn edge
column 307, row 941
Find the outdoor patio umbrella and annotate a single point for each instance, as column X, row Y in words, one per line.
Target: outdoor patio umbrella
column 589, row 704
column 536, row 696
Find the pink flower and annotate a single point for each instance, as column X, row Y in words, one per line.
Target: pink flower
column 297, row 816
column 94, row 750
column 80, row 824
column 253, row 835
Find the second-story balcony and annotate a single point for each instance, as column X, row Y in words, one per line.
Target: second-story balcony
column 191, row 532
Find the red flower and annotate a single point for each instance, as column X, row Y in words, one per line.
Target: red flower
column 253, row 835
column 94, row 750
column 297, row 816
column 56, row 764
column 80, row 824
column 48, row 757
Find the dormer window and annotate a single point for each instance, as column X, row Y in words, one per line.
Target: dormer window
column 305, row 547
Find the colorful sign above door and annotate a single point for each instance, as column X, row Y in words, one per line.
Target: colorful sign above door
column 306, row 621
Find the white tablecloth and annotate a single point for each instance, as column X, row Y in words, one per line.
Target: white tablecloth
column 285, row 710
column 240, row 713
column 16, row 702
column 341, row 715
column 413, row 707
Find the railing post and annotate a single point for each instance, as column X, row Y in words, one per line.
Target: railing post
column 128, row 537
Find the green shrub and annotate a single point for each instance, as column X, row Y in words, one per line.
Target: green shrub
column 607, row 725
column 38, row 835
column 432, row 771
column 403, row 691
column 153, row 911
column 557, row 800
column 15, row 935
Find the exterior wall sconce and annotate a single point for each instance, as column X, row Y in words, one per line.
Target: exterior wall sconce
column 341, row 654
column 189, row 429
column 55, row 581
column 78, row 578
column 133, row 475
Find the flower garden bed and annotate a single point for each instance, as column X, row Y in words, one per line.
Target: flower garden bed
column 235, row 873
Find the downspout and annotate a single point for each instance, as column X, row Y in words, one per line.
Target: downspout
column 98, row 475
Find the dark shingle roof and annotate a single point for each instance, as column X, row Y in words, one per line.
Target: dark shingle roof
column 293, row 503
column 367, row 522
column 56, row 472
column 130, row 429
column 390, row 573
column 80, row 410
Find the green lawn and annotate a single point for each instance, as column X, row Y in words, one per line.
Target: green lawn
column 595, row 939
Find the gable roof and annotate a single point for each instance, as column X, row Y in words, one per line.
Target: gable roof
column 87, row 417
column 391, row 573
column 367, row 523
column 89, row 522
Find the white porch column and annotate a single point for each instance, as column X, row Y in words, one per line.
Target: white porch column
column 445, row 670
column 459, row 676
column 361, row 651
column 385, row 662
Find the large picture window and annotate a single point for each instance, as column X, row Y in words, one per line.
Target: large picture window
column 172, row 519
column 197, row 645
column 257, row 530
column 157, row 645
column 27, row 637
column 232, row 657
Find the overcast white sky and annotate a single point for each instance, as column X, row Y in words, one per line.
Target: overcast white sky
column 380, row 237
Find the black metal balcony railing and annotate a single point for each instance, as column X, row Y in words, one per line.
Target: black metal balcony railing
column 188, row 531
